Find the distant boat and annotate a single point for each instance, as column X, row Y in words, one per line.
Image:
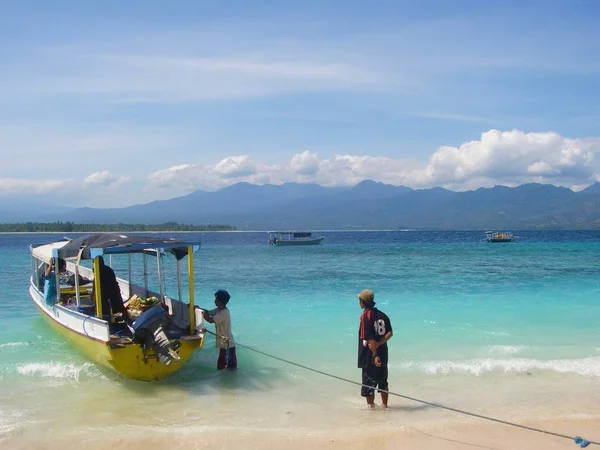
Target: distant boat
column 498, row 236
column 293, row 238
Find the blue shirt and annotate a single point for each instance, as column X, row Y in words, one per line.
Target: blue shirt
column 50, row 289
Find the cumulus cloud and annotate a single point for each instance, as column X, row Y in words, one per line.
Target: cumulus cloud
column 188, row 176
column 514, row 155
column 498, row 157
column 235, row 167
column 103, row 179
column 506, row 158
column 305, row 163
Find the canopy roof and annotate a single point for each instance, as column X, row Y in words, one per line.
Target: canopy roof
column 296, row 233
column 45, row 252
column 90, row 246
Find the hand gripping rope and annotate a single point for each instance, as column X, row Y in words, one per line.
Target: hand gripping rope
column 576, row 439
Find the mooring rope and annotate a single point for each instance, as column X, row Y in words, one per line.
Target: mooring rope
column 576, row 439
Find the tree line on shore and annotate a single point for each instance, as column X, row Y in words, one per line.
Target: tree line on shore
column 71, row 227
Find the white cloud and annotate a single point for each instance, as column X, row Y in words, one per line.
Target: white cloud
column 147, row 76
column 104, row 179
column 507, row 158
column 185, row 175
column 235, row 167
column 514, row 155
column 305, row 163
column 23, row 186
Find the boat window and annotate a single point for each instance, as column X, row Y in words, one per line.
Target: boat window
column 302, row 235
column 37, row 272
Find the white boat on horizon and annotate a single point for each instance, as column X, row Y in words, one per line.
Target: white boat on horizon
column 278, row 238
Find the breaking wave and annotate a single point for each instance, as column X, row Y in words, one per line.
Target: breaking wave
column 589, row 367
column 14, row 344
column 57, row 370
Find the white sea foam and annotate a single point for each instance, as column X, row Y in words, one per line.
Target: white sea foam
column 14, row 344
column 10, row 421
column 496, row 333
column 589, row 367
column 506, row 349
column 56, row 370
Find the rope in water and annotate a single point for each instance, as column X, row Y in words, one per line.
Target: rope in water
column 578, row 440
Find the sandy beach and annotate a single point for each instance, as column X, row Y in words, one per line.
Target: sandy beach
column 475, row 434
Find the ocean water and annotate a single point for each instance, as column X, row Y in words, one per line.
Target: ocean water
column 510, row 330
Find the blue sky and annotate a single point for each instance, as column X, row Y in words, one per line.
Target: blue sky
column 114, row 103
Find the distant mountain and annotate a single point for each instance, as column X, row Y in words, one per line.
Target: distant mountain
column 374, row 189
column 593, row 189
column 368, row 205
column 23, row 211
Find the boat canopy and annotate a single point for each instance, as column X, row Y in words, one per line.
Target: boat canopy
column 302, row 234
column 45, row 252
column 295, row 234
column 90, row 246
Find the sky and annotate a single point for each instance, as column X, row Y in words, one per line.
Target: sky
column 114, row 103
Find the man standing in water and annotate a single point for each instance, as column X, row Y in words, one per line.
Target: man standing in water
column 224, row 339
column 374, row 332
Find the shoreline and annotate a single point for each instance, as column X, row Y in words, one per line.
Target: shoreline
column 474, row 434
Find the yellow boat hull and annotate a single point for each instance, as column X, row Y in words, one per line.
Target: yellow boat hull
column 127, row 359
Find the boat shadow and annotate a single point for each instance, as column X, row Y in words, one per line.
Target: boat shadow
column 200, row 376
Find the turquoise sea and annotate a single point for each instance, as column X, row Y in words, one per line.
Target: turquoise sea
column 509, row 330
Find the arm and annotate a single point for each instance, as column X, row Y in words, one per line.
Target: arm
column 385, row 338
column 48, row 270
column 207, row 316
column 216, row 316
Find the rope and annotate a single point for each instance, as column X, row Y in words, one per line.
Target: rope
column 578, row 440
column 83, row 326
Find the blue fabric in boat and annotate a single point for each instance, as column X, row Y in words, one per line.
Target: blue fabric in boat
column 174, row 332
column 149, row 316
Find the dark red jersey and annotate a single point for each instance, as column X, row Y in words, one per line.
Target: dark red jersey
column 374, row 324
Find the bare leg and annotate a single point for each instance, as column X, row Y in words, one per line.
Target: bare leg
column 371, row 401
column 384, row 399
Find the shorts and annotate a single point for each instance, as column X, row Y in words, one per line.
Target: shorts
column 227, row 359
column 374, row 377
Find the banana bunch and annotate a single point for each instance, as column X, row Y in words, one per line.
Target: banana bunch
column 142, row 303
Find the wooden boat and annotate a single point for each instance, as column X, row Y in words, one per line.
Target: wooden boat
column 498, row 236
column 166, row 330
column 293, row 238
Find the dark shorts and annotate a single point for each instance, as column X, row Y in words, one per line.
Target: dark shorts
column 374, row 377
column 227, row 359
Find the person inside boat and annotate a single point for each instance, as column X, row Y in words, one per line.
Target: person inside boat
column 49, row 277
column 112, row 301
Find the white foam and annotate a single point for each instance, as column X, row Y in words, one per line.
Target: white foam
column 14, row 344
column 587, row 366
column 55, row 370
column 506, row 349
column 10, row 421
column 496, row 333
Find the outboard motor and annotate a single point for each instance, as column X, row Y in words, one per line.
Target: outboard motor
column 149, row 333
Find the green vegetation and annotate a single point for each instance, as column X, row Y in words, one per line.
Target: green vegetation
column 70, row 227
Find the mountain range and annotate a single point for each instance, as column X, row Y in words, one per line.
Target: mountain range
column 368, row 205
